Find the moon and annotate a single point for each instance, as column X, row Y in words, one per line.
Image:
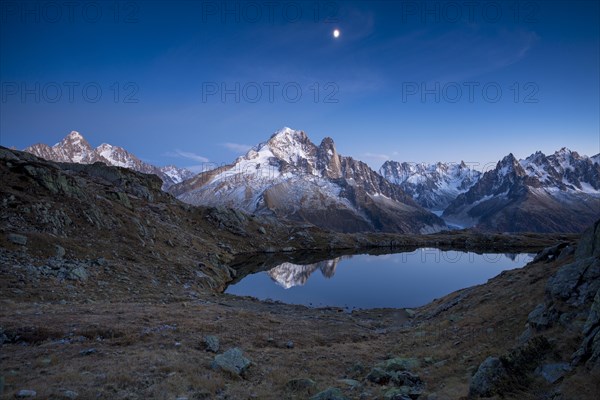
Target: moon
column 336, row 33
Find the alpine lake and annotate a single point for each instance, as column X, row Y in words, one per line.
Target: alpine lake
column 364, row 281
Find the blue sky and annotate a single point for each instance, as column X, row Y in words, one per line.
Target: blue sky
column 193, row 81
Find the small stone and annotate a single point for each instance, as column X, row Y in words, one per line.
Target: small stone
column 301, row 385
column 352, row 383
column 70, row 394
column 25, row 393
column 357, row 370
column 378, row 375
column 436, row 396
column 329, row 394
column 262, row 230
column 289, row 344
column 396, row 394
column 88, row 352
column 412, row 384
column 17, row 239
column 410, row 312
column 59, row 251
column 101, row 262
column 78, row 274
column 212, row 343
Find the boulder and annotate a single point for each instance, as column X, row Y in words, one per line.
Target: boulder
column 553, row 372
column 378, row 375
column 549, row 253
column 589, row 244
column 485, row 381
column 232, row 361
column 576, row 282
column 399, row 364
column 540, row 317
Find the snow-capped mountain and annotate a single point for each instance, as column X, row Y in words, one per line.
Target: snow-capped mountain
column 556, row 193
column 292, row 178
column 75, row 149
column 433, row 186
column 288, row 275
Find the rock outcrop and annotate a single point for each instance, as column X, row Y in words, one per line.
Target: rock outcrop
column 570, row 313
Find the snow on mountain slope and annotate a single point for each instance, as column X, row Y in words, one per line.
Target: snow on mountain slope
column 433, row 186
column 292, row 178
column 565, row 170
column 75, row 149
column 556, row 193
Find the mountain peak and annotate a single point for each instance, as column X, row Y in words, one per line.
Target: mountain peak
column 74, row 138
column 290, row 145
column 73, row 148
column 508, row 159
column 287, row 136
column 509, row 164
column 74, row 135
column 567, row 154
column 327, row 143
column 287, row 132
column 564, row 150
column 290, row 177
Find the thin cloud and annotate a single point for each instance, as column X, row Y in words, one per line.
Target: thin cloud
column 236, row 147
column 187, row 154
column 377, row 156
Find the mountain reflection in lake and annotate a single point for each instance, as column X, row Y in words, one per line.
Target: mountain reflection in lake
column 408, row 279
column 288, row 275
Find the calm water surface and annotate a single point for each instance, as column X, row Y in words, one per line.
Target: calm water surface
column 370, row 281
